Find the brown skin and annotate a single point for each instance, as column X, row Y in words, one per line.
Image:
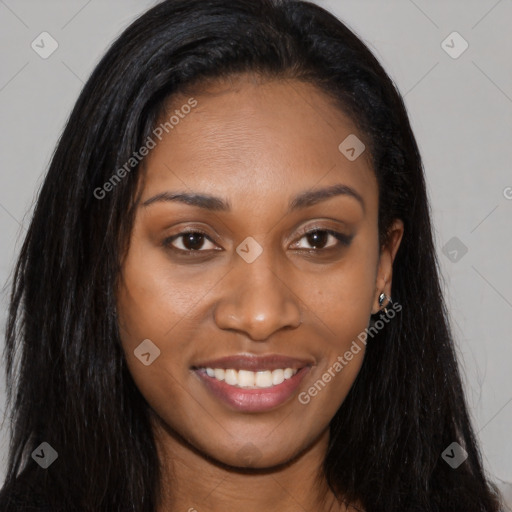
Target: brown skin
column 256, row 144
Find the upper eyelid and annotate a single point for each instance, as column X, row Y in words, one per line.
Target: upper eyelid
column 303, row 231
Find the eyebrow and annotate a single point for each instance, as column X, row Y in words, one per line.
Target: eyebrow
column 302, row 200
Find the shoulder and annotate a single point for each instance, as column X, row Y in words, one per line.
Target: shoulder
column 25, row 494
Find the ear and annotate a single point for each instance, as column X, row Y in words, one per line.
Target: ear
column 386, row 258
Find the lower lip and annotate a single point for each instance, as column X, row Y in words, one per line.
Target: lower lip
column 253, row 400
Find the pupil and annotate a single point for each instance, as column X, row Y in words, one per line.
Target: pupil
column 193, row 241
column 317, row 238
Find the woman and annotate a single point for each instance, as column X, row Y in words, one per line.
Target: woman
column 304, row 360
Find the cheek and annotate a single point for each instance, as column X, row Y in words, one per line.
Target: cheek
column 339, row 304
column 150, row 307
column 155, row 295
column 342, row 297
column 159, row 301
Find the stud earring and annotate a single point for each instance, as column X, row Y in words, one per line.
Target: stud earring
column 382, row 297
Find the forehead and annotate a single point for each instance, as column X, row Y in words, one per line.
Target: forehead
column 248, row 136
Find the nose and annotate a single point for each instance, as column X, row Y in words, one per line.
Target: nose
column 257, row 301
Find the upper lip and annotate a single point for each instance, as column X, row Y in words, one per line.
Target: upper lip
column 255, row 363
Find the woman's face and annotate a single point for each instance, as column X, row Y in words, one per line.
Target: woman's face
column 251, row 168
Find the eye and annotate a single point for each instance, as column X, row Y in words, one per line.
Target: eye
column 318, row 239
column 196, row 241
column 189, row 241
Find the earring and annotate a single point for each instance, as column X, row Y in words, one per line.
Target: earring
column 382, row 297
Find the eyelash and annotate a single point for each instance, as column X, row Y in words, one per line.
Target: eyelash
column 343, row 240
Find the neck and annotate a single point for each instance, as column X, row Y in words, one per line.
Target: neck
column 193, row 482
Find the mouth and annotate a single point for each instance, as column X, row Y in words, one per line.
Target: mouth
column 247, row 379
column 252, row 383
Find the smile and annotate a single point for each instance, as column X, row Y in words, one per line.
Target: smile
column 255, row 398
column 249, row 379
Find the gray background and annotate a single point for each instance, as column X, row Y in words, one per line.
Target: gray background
column 460, row 109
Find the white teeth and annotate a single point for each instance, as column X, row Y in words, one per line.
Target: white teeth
column 264, row 379
column 288, row 373
column 277, row 377
column 248, row 379
column 231, row 377
column 245, row 378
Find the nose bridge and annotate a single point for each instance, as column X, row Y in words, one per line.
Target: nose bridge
column 258, row 300
column 261, row 280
